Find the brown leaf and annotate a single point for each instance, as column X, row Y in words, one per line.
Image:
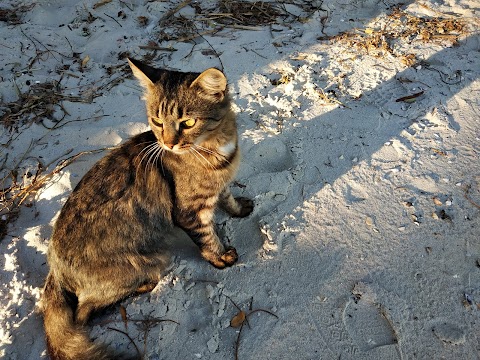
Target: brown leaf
column 85, row 60
column 101, row 3
column 238, row 319
column 123, row 314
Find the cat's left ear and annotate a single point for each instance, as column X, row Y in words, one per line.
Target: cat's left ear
column 147, row 75
column 212, row 82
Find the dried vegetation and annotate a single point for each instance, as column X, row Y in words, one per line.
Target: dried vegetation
column 401, row 25
column 14, row 16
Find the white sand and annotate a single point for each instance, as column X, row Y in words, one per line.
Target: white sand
column 365, row 236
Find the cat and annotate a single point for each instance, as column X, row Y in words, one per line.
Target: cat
column 109, row 239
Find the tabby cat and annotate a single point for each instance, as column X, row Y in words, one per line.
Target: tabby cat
column 109, row 239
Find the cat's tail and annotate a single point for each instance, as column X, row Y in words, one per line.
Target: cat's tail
column 66, row 340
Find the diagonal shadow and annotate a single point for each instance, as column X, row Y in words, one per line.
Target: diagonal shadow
column 334, row 143
column 374, row 120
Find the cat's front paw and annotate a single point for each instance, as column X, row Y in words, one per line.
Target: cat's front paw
column 246, row 207
column 228, row 258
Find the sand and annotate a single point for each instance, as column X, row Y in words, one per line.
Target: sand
column 360, row 133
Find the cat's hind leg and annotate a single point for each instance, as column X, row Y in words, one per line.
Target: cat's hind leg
column 146, row 288
column 89, row 302
column 101, row 296
column 237, row 207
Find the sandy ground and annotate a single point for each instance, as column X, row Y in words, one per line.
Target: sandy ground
column 360, row 133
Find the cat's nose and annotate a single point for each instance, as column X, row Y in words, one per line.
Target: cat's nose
column 170, row 146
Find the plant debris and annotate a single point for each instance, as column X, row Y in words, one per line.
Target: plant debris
column 225, row 14
column 244, row 13
column 37, row 103
column 238, row 319
column 142, row 325
column 402, row 25
column 241, row 318
column 16, row 194
column 467, row 195
column 101, row 3
column 14, row 16
column 410, row 98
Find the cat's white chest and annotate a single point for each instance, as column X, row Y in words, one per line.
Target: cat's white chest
column 228, row 148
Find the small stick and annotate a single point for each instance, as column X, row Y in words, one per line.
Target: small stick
column 129, row 338
column 154, row 47
column 127, row 5
column 245, row 27
column 194, row 36
column 111, row 17
column 262, row 310
column 245, row 320
column 173, row 11
column 145, row 321
column 237, row 342
column 410, row 97
column 467, row 189
column 215, row 51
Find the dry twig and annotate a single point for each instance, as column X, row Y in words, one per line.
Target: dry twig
column 140, row 356
column 143, row 325
column 241, row 318
column 467, row 196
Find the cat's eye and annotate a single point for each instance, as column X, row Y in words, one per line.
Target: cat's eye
column 188, row 123
column 157, row 121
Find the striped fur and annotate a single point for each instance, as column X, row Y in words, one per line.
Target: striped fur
column 108, row 241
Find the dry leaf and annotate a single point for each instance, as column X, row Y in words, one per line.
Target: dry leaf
column 369, row 221
column 123, row 314
column 85, row 60
column 238, row 319
column 408, row 60
column 101, row 3
column 369, row 31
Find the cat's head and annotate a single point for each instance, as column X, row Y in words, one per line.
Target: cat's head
column 183, row 109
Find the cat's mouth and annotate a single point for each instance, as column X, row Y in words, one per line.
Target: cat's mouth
column 177, row 149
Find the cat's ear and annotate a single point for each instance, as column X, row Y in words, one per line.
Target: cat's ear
column 147, row 75
column 212, row 82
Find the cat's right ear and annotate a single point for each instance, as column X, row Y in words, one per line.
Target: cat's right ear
column 147, row 75
column 212, row 83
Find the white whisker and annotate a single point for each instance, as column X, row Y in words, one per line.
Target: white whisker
column 190, row 150
column 212, row 152
column 199, row 147
column 162, row 152
column 152, row 157
column 195, row 151
column 158, row 154
column 146, row 151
